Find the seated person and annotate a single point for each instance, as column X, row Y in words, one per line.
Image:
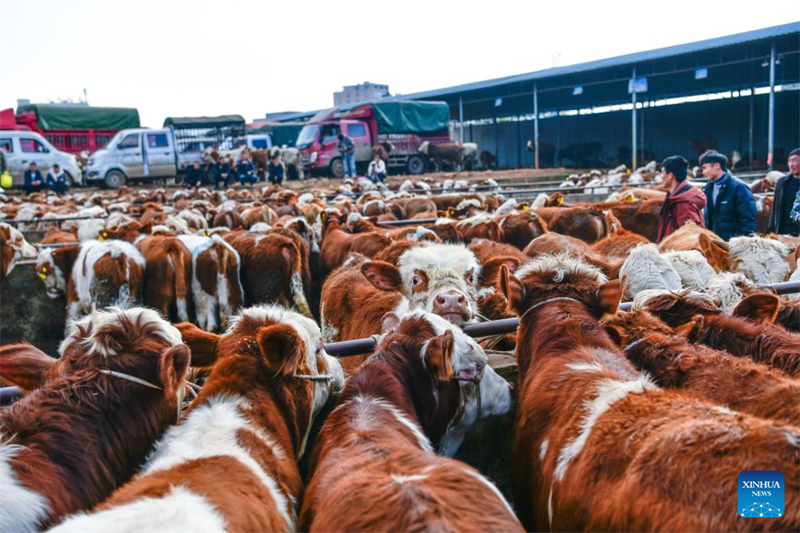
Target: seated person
column 57, row 180
column 377, row 170
column 222, row 173
column 245, row 170
column 194, row 175
column 34, row 181
column 276, row 170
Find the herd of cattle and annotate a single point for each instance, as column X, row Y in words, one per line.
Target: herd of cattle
column 635, row 420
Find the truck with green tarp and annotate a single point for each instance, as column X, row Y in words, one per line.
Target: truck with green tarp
column 399, row 125
column 76, row 128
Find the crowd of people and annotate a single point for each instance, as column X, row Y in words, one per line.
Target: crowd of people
column 726, row 205
column 56, row 180
column 225, row 171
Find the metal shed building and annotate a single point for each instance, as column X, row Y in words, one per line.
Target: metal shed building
column 739, row 92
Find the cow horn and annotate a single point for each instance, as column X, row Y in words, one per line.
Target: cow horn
column 722, row 244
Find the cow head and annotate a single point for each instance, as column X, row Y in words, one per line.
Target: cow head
column 268, row 347
column 556, row 276
column 675, row 308
column 13, row 247
column 438, row 278
column 54, row 266
column 135, row 342
column 423, row 148
column 481, row 393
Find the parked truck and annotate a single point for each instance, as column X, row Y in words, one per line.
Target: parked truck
column 71, row 128
column 404, row 124
column 147, row 154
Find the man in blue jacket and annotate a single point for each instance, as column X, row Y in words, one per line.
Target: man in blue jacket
column 730, row 208
column 245, row 170
column 34, row 181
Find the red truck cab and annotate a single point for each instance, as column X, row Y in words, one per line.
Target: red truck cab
column 318, row 143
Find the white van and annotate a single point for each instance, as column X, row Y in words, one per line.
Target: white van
column 22, row 148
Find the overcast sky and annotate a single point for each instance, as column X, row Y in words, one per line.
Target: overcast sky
column 173, row 58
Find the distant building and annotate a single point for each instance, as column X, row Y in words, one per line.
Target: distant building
column 363, row 92
column 269, row 117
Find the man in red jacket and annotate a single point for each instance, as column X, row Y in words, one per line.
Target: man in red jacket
column 683, row 203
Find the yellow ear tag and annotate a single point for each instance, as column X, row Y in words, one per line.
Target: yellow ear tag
column 206, row 233
column 560, row 200
column 42, row 275
column 526, row 207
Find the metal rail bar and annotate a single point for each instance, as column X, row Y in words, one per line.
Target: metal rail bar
column 481, row 329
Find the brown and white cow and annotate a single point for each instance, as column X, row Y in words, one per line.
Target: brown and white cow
column 231, row 464
column 96, row 274
column 377, row 445
column 92, row 415
column 216, row 280
column 764, row 342
column 13, row 248
column 168, row 270
column 598, row 446
column 451, row 153
column 734, row 382
column 274, row 267
column 337, row 244
column 439, row 278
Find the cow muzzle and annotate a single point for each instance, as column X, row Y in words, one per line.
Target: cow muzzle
column 453, row 306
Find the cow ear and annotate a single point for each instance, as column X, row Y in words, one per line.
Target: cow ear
column 513, row 289
column 389, row 322
column 173, row 365
column 609, row 295
column 715, row 251
column 24, row 365
column 281, row 347
column 759, row 307
column 439, row 356
column 383, row 276
column 203, row 345
column 494, row 264
column 691, row 330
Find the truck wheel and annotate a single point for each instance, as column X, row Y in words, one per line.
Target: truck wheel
column 337, row 168
column 114, row 179
column 415, row 165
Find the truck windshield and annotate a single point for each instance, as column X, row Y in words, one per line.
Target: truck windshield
column 307, row 137
column 114, row 140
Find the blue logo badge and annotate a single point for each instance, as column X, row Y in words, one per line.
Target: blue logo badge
column 760, row 494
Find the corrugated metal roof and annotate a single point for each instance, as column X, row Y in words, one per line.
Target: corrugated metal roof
column 627, row 59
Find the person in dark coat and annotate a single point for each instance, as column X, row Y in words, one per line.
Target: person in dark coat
column 34, row 182
column 245, row 170
column 276, row 170
column 222, row 173
column 57, row 180
column 684, row 202
column 780, row 220
column 194, row 175
column 730, row 208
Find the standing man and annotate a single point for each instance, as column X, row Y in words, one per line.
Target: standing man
column 786, row 189
column 730, row 208
column 684, row 202
column 34, row 182
column 348, row 150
